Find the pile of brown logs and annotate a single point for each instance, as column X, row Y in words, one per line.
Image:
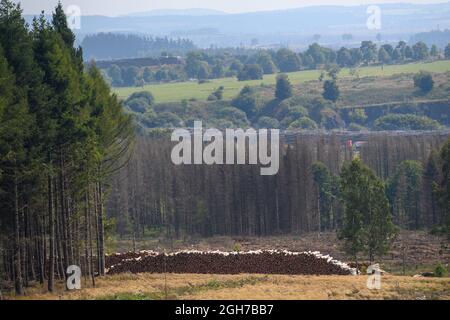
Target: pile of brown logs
column 217, row 262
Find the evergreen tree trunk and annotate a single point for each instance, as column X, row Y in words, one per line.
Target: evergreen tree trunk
column 101, row 231
column 18, row 281
column 51, row 262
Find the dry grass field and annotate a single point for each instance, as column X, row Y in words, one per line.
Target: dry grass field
column 246, row 287
column 420, row 251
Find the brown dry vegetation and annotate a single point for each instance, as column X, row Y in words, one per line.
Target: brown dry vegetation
column 228, row 287
column 420, row 249
column 422, row 253
column 373, row 90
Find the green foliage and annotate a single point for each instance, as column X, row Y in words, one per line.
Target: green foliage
column 217, row 94
column 60, row 126
column 405, row 122
column 420, row 51
column 304, row 123
column 358, row 116
column 327, row 192
column 383, row 56
column 148, row 75
column 367, row 225
column 268, row 123
column 237, row 117
column 144, row 95
column 356, row 127
column 404, row 191
column 440, row 271
column 138, row 105
column 447, row 51
column 283, row 87
column 250, row 72
column 434, row 52
column 287, row 60
column 443, row 190
column 264, row 60
column 247, row 101
column 168, row 120
column 368, row 51
column 331, row 119
column 237, row 247
column 344, row 57
column 115, row 73
column 296, row 112
column 424, row 81
column 331, row 90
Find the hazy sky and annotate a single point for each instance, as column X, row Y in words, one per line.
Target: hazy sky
column 120, row 7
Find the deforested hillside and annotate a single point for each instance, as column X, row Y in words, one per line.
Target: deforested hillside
column 153, row 194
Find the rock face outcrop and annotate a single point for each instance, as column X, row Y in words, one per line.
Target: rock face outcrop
column 218, row 262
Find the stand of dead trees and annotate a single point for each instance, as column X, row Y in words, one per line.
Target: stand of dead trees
column 62, row 135
column 152, row 196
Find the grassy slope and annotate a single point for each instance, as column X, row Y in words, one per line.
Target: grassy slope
column 172, row 92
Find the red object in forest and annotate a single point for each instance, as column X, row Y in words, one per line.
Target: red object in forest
column 350, row 144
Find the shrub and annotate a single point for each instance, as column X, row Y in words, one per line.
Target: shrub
column 358, row 116
column 268, row 123
column 217, row 94
column 283, row 88
column 250, row 72
column 331, row 119
column 424, row 81
column 297, row 112
column 236, row 116
column 144, row 95
column 447, row 51
column 304, row 123
column 356, row 127
column 440, row 271
column 168, row 120
column 246, row 101
column 138, row 105
column 405, row 122
column 331, row 90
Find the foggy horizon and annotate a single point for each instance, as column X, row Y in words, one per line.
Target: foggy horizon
column 118, row 7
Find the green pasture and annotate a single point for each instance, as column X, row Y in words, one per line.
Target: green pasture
column 171, row 92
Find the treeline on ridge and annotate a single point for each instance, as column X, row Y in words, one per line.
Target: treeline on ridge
column 108, row 46
column 252, row 65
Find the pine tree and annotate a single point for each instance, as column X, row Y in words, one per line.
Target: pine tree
column 62, row 135
column 404, row 192
column 367, row 221
column 327, row 186
column 283, row 87
column 444, row 190
column 15, row 122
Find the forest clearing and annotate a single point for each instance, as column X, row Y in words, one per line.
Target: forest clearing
column 423, row 250
column 100, row 200
column 147, row 286
column 173, row 92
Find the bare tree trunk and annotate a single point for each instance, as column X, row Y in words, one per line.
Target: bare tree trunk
column 51, row 263
column 18, row 282
column 101, row 233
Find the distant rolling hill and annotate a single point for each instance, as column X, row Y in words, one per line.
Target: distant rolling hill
column 194, row 12
column 294, row 27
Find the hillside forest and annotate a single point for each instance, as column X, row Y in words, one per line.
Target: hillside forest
column 81, row 168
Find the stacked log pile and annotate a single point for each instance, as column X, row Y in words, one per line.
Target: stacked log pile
column 217, row 262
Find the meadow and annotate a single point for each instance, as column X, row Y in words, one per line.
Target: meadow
column 174, row 92
column 148, row 286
